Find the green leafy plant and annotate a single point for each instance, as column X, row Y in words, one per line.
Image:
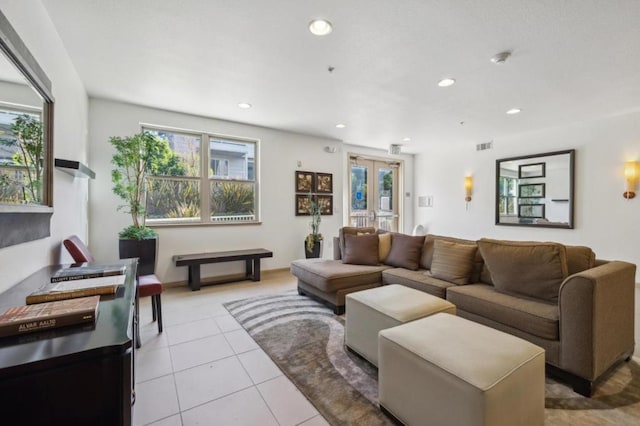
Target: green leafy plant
column 316, row 218
column 135, row 157
column 232, row 198
column 27, row 139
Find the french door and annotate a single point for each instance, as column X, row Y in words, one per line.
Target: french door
column 373, row 193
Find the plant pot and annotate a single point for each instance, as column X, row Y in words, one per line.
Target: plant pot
column 316, row 252
column 144, row 250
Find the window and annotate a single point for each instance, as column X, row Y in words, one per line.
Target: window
column 220, row 167
column 508, row 196
column 203, row 178
column 21, row 157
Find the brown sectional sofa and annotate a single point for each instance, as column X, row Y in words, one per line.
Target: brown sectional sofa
column 582, row 315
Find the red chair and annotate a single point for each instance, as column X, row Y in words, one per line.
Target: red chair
column 148, row 285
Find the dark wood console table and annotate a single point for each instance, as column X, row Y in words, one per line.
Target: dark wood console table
column 78, row 375
column 251, row 257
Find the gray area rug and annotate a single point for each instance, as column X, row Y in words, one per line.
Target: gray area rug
column 305, row 339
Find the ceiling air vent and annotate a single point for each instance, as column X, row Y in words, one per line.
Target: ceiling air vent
column 484, row 146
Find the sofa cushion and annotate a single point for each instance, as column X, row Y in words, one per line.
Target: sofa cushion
column 528, row 268
column 332, row 275
column 353, row 231
column 361, row 249
column 453, row 262
column 384, row 246
column 420, row 280
column 579, row 258
column 405, row 251
column 529, row 315
column 427, row 254
column 485, row 275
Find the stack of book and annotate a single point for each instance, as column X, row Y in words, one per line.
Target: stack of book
column 71, row 297
column 80, row 281
column 26, row 319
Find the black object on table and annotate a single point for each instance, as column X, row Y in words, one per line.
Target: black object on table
column 76, row 375
column 251, row 257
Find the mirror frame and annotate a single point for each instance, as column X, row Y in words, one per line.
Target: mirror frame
column 571, row 200
column 22, row 223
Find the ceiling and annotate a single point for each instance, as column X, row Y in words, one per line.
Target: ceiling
column 572, row 61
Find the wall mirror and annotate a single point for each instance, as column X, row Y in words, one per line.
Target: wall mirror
column 535, row 190
column 26, row 142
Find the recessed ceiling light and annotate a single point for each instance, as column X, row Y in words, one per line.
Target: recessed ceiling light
column 406, row 139
column 514, row 111
column 320, row 27
column 446, row 82
column 244, row 105
column 341, row 126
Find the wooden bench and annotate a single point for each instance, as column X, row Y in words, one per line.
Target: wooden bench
column 251, row 257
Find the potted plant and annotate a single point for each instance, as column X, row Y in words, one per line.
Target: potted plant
column 133, row 159
column 313, row 242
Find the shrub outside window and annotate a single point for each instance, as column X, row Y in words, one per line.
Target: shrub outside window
column 203, row 178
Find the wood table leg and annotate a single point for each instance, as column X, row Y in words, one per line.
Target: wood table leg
column 256, row 269
column 194, row 277
column 249, row 270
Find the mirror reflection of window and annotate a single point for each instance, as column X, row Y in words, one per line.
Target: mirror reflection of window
column 22, row 150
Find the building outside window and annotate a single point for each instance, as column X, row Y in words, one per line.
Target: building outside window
column 203, row 178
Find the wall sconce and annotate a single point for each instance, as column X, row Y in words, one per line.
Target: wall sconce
column 468, row 187
column 631, row 175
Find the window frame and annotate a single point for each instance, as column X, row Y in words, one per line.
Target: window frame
column 204, row 180
column 506, row 196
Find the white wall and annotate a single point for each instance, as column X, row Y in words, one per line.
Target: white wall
column 281, row 231
column 603, row 219
column 32, row 23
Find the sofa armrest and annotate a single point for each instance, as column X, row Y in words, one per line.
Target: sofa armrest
column 336, row 249
column 597, row 318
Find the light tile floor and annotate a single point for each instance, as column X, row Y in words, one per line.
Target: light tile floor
column 206, row 370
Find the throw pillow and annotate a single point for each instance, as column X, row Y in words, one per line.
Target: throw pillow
column 427, row 254
column 361, row 249
column 528, row 268
column 453, row 262
column 405, row 251
column 352, row 230
column 384, row 246
column 579, row 258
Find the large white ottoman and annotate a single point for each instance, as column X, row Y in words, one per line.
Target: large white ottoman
column 446, row 370
column 369, row 311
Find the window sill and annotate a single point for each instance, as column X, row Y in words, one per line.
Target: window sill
column 197, row 224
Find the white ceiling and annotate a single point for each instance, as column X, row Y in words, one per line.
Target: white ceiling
column 572, row 60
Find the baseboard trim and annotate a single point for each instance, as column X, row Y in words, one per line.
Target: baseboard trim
column 213, row 280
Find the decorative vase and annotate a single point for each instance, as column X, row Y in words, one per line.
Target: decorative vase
column 144, row 250
column 316, row 252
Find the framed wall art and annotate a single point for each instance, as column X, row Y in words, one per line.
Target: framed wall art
column 325, row 202
column 324, row 183
column 305, row 181
column 303, row 205
column 531, row 211
column 534, row 170
column 531, row 190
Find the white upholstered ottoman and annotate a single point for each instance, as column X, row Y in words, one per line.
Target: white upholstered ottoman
column 446, row 370
column 369, row 311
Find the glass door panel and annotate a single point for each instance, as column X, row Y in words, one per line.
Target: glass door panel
column 359, row 214
column 373, row 194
